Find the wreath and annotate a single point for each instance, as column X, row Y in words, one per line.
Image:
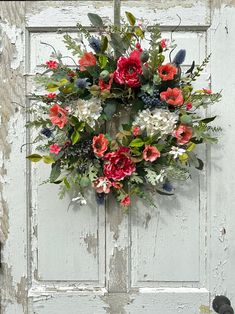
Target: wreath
column 121, row 120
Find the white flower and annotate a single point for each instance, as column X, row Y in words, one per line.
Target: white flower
column 176, row 151
column 88, row 110
column 156, row 121
column 79, row 199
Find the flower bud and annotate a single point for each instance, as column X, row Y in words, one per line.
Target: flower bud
column 144, row 56
column 104, row 75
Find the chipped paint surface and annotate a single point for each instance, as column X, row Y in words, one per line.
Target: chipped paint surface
column 141, row 260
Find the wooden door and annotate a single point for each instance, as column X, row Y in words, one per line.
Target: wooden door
column 96, row 259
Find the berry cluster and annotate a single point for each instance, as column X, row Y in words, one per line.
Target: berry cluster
column 152, row 101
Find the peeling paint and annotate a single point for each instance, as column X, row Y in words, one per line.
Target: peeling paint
column 118, row 271
column 92, row 244
column 15, row 37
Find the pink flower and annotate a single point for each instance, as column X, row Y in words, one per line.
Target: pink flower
column 163, row 43
column 52, row 64
column 183, row 134
column 207, row 91
column 87, row 60
column 126, row 201
column 102, row 185
column 173, row 96
column 151, row 153
column 136, row 130
column 189, row 106
column 167, row 72
column 51, row 95
column 128, row 70
column 55, row 149
column 100, row 145
column 58, row 116
column 118, row 164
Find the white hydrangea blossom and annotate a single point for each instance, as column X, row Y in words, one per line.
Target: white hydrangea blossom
column 176, row 151
column 156, row 121
column 88, row 110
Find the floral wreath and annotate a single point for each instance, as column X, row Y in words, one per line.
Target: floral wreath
column 115, row 77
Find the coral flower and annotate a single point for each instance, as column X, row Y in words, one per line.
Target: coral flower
column 54, row 149
column 102, row 185
column 173, row 96
column 118, row 164
column 100, row 145
column 106, row 86
column 183, row 134
column 126, row 201
column 151, row 153
column 58, row 116
column 129, row 69
column 87, row 60
column 52, row 64
column 167, row 72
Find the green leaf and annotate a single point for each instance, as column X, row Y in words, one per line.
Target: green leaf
column 139, row 32
column 95, row 19
column 66, row 183
column 117, row 43
column 137, row 142
column 208, row 120
column 131, row 18
column 186, row 119
column 84, row 182
column 75, row 137
column 34, row 157
column 48, row 159
column 55, row 172
column 104, row 43
column 103, row 60
column 126, row 127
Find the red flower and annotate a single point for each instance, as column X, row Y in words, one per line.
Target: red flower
column 54, row 149
column 106, row 86
column 163, row 43
column 87, row 60
column 207, row 91
column 189, row 106
column 119, row 164
column 51, row 95
column 151, row 153
column 52, row 64
column 58, row 116
column 100, row 145
column 173, row 96
column 183, row 133
column 167, row 72
column 136, row 130
column 126, row 201
column 129, row 69
column 102, row 185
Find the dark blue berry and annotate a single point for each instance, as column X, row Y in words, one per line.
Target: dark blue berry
column 47, row 132
column 167, row 186
column 100, row 198
column 179, row 57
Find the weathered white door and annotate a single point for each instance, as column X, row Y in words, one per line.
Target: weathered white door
column 94, row 259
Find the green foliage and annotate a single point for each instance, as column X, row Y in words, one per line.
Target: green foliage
column 131, row 18
column 96, row 20
column 72, row 45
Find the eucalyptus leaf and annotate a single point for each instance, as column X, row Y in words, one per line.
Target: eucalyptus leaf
column 95, row 19
column 55, row 172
